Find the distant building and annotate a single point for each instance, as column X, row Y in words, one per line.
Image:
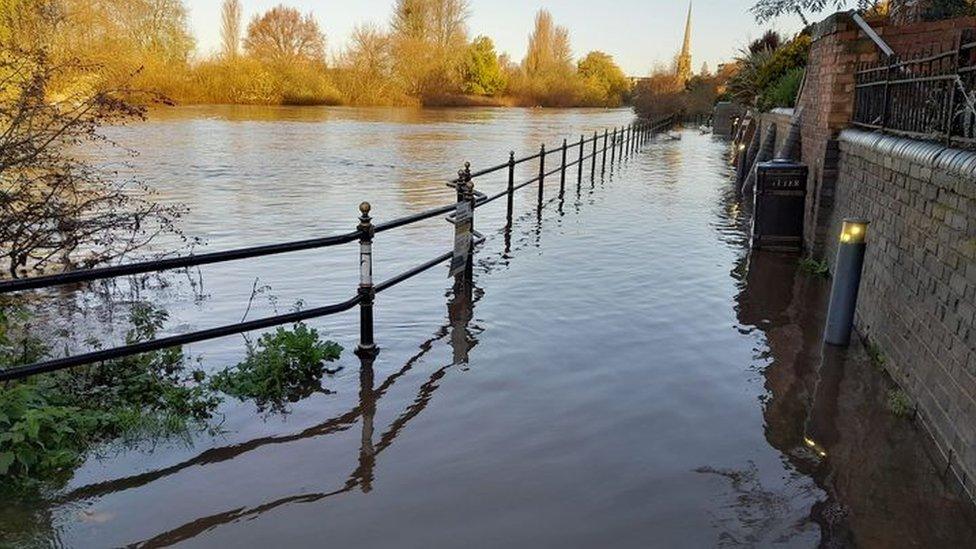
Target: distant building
column 683, row 64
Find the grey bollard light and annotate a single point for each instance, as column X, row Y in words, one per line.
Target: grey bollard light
column 847, row 282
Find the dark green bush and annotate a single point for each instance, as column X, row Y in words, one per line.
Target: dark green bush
column 783, row 92
column 284, row 366
column 785, row 59
column 49, row 422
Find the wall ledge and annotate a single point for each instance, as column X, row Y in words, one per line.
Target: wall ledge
column 956, row 162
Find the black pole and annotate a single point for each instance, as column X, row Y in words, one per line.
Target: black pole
column 579, row 171
column 847, row 282
column 469, row 196
column 613, row 149
column 593, row 160
column 603, row 161
column 542, row 172
column 367, row 346
column 511, row 185
column 562, row 173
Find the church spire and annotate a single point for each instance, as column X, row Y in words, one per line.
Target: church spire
column 684, row 59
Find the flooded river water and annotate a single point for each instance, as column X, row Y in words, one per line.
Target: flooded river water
column 625, row 373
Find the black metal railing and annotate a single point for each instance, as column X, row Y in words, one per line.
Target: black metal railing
column 620, row 143
column 930, row 94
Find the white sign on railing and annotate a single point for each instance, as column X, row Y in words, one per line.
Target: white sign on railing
column 463, row 218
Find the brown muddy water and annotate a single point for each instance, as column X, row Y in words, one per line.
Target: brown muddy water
column 624, row 373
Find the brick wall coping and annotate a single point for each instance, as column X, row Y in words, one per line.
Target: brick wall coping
column 954, row 161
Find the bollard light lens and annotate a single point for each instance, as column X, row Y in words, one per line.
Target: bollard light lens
column 812, row 444
column 854, row 232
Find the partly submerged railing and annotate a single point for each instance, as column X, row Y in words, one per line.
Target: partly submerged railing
column 620, row 143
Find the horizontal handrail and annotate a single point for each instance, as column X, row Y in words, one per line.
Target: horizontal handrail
column 174, row 341
column 364, row 234
column 115, row 271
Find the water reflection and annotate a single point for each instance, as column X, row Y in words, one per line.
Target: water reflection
column 825, row 412
column 462, row 337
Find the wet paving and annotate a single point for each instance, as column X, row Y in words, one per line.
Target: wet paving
column 623, row 371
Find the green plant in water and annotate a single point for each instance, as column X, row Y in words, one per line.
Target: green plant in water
column 877, row 357
column 899, row 404
column 815, row 267
column 284, row 366
column 48, row 423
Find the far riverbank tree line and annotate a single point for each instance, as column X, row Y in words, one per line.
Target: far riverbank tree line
column 425, row 55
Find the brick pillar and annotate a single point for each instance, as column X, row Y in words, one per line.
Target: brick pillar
column 827, row 107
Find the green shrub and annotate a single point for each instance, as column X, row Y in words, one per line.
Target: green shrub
column 789, row 57
column 38, row 439
column 49, row 422
column 284, row 366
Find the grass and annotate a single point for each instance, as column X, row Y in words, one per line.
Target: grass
column 815, row 267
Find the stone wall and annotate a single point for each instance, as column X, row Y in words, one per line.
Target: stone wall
column 918, row 295
column 780, row 118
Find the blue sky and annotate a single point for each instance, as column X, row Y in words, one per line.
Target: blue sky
column 638, row 33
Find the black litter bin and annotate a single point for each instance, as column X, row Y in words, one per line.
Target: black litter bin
column 777, row 223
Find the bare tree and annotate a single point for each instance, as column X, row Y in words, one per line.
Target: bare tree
column 231, row 17
column 428, row 40
column 285, row 35
column 58, row 210
column 549, row 51
column 367, row 68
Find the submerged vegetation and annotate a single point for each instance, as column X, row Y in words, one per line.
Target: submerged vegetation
column 899, row 404
column 284, row 366
column 49, row 423
column 814, row 267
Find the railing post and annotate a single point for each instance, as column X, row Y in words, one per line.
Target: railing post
column 367, row 293
column 593, row 160
column 886, row 98
column 511, row 185
column 469, row 196
column 613, row 149
column 579, row 170
column 603, row 161
column 542, row 172
column 950, row 113
column 562, row 173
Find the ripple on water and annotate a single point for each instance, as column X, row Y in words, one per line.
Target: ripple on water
column 603, row 385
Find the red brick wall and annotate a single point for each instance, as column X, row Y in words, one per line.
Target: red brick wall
column 827, row 105
column 827, row 102
column 908, row 39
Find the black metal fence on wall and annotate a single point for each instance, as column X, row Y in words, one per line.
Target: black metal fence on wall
column 930, row 94
column 609, row 145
